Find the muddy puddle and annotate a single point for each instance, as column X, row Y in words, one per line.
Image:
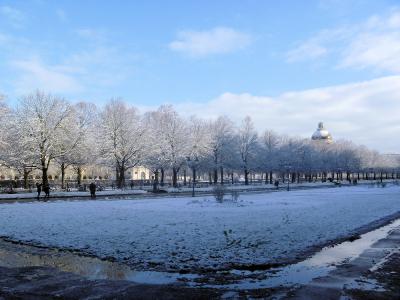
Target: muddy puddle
column 320, row 264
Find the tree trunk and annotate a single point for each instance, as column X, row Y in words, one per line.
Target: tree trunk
column 266, row 177
column 246, row 177
column 116, row 175
column 79, row 175
column 45, row 180
column 222, row 174
column 155, row 182
column 162, row 177
column 62, row 175
column 184, row 177
column 175, row 177
column 232, row 177
column 121, row 181
column 26, row 174
column 215, row 175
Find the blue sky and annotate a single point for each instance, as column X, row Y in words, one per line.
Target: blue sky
column 199, row 55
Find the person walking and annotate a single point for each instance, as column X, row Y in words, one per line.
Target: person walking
column 92, row 188
column 38, row 189
column 46, row 190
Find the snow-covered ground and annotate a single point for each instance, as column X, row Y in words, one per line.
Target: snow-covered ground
column 250, row 187
column 63, row 194
column 175, row 233
column 23, row 194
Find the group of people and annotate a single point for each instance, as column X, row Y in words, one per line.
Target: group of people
column 46, row 190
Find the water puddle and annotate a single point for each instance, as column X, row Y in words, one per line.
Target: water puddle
column 12, row 255
column 320, row 264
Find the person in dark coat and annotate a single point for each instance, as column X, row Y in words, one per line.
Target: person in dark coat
column 46, row 190
column 39, row 189
column 92, row 188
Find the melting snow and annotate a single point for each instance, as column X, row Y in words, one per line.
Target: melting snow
column 174, row 233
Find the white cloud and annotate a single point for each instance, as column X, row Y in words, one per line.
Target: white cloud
column 365, row 112
column 34, row 74
column 91, row 67
column 306, row 51
column 14, row 16
column 218, row 40
column 380, row 51
column 374, row 43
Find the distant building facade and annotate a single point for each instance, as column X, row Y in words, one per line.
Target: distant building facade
column 140, row 173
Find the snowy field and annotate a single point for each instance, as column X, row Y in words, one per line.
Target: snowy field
column 192, row 233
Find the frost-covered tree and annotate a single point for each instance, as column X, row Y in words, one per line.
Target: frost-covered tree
column 44, row 129
column 156, row 159
column 122, row 137
column 6, row 136
column 247, row 140
column 77, row 147
column 42, row 120
column 270, row 143
column 172, row 134
column 14, row 154
column 199, row 141
column 221, row 145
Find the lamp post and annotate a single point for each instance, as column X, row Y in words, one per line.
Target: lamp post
column 192, row 163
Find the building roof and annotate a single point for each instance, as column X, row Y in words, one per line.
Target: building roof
column 322, row 134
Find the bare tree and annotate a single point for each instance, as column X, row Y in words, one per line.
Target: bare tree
column 77, row 144
column 270, row 143
column 172, row 139
column 43, row 121
column 248, row 143
column 221, row 144
column 123, row 138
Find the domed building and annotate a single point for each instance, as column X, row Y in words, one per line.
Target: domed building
column 321, row 134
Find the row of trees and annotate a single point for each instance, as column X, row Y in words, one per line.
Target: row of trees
column 44, row 130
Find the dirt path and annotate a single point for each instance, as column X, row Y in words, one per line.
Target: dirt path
column 48, row 283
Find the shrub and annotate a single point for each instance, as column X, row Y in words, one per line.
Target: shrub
column 219, row 193
column 235, row 196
